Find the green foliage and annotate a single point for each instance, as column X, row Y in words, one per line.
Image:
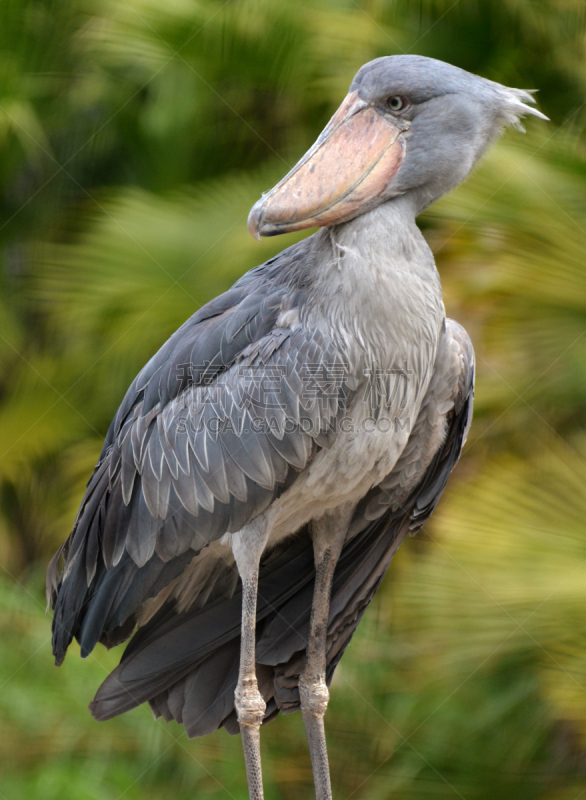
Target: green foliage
column 134, row 137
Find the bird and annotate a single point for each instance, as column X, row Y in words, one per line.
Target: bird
column 268, row 461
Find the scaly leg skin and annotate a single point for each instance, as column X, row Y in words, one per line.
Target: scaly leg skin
column 247, row 546
column 328, row 534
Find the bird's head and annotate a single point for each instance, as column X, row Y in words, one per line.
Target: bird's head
column 409, row 124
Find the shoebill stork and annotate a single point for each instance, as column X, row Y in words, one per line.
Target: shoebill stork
column 267, row 462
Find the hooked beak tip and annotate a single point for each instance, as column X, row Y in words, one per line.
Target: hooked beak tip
column 255, row 220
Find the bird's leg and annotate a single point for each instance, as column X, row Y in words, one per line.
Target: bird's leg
column 328, row 535
column 247, row 546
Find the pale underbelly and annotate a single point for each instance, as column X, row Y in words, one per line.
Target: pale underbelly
column 359, row 459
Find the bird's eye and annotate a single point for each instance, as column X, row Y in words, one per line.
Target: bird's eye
column 396, row 103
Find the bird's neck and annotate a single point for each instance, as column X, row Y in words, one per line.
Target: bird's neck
column 389, row 233
column 376, row 274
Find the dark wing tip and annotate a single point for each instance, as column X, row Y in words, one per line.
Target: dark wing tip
column 109, row 698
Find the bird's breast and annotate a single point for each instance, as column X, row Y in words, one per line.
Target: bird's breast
column 388, row 337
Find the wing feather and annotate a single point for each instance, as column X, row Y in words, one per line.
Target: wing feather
column 191, row 454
